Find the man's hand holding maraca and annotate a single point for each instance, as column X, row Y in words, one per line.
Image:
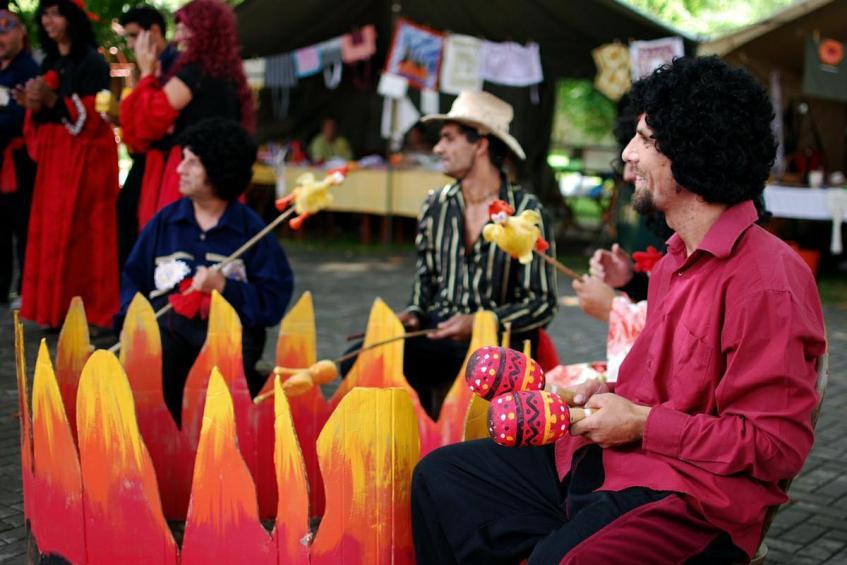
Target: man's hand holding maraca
column 613, row 421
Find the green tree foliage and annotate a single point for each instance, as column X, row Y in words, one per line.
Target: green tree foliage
column 583, row 116
column 709, row 17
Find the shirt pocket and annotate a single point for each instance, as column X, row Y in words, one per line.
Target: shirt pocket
column 692, row 382
column 678, row 365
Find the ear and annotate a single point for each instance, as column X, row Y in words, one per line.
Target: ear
column 482, row 148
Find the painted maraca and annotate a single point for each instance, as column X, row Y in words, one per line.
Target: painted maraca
column 525, row 418
column 496, row 370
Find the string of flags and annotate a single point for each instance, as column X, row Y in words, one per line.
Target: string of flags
column 281, row 72
column 618, row 64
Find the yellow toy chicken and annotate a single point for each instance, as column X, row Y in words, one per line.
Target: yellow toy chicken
column 311, row 196
column 517, row 236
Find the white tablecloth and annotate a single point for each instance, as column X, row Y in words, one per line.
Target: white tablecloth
column 800, row 203
column 810, row 204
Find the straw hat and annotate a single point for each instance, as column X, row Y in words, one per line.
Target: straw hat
column 484, row 112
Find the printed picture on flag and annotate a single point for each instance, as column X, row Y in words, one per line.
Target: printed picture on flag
column 415, row 54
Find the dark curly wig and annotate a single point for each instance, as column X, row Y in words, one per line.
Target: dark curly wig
column 79, row 29
column 227, row 152
column 214, row 48
column 713, row 122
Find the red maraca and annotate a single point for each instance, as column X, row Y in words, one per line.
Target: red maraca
column 537, row 417
column 496, row 370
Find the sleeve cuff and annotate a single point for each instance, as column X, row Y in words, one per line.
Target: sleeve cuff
column 663, row 431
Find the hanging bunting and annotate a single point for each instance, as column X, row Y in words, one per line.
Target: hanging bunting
column 647, row 56
column 358, row 45
column 461, row 65
column 307, row 61
column 511, row 64
column 612, row 61
column 415, row 54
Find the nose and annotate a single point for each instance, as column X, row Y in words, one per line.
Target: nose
column 629, row 155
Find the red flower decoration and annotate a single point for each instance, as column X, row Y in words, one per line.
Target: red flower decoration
column 51, row 78
column 499, row 206
column 192, row 303
column 646, row 260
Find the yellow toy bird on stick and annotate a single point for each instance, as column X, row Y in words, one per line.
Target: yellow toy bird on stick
column 519, row 236
column 311, row 196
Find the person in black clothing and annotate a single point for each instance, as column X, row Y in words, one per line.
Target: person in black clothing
column 133, row 22
column 207, row 80
column 18, row 171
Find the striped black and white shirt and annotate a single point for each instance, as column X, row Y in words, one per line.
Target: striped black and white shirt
column 449, row 281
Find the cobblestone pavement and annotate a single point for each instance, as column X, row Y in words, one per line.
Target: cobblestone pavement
column 811, row 529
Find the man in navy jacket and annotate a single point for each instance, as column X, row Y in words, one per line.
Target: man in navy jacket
column 185, row 239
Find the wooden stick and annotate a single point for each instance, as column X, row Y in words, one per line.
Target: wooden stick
column 380, row 343
column 278, row 370
column 559, row 266
column 577, row 414
column 218, row 266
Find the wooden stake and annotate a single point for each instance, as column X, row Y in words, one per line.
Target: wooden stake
column 567, row 271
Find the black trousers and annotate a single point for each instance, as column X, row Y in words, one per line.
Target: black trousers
column 182, row 340
column 478, row 502
column 431, row 365
column 127, row 209
column 14, row 223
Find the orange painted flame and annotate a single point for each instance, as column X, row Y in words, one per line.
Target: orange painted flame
column 296, row 347
column 367, row 452
column 23, row 413
column 223, row 518
column 172, row 455
column 123, row 511
column 72, row 351
column 56, row 488
column 455, row 410
column 222, row 350
column 292, row 534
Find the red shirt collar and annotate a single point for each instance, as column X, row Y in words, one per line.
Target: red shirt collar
column 721, row 237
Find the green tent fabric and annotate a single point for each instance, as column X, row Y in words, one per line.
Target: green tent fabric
column 565, row 30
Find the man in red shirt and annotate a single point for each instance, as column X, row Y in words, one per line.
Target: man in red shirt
column 680, row 458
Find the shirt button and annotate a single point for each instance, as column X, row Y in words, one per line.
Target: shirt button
column 202, row 237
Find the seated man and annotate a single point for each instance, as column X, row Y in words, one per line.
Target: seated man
column 186, row 238
column 680, row 459
column 458, row 272
column 328, row 144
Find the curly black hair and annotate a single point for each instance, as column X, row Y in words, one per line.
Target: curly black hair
column 713, row 122
column 79, row 29
column 146, row 17
column 227, row 152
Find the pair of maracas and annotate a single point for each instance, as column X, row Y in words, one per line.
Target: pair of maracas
column 521, row 412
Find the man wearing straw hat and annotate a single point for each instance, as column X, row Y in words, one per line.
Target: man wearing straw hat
column 172, row 259
column 457, row 271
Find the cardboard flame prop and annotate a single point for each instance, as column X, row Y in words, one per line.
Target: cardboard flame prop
column 105, row 467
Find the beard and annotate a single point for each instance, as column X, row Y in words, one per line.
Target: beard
column 642, row 202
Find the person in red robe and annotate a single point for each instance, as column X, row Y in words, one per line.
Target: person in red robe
column 207, row 80
column 72, row 248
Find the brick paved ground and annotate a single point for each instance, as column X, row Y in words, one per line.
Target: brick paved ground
column 812, row 529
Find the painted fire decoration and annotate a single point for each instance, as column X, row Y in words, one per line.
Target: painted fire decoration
column 109, row 477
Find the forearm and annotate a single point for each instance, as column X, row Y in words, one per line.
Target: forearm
column 730, row 444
